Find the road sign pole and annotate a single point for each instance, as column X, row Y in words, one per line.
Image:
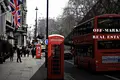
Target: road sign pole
column 46, row 52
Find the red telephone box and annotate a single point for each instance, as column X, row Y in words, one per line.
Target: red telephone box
column 55, row 57
column 38, row 51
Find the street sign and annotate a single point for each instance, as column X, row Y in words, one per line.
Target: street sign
column 46, row 41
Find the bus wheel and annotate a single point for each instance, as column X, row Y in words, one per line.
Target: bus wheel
column 89, row 67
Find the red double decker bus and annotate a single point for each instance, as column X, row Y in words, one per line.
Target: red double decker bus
column 97, row 43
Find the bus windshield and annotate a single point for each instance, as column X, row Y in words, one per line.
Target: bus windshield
column 111, row 44
column 109, row 23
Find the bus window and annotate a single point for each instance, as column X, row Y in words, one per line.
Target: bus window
column 90, row 52
column 111, row 44
column 86, row 50
column 109, row 23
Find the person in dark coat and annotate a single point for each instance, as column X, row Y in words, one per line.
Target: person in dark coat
column 18, row 55
column 1, row 52
column 24, row 51
column 5, row 50
column 33, row 52
column 11, row 54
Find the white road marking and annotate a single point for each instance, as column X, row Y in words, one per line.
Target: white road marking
column 68, row 77
column 112, row 77
column 69, row 62
column 67, row 74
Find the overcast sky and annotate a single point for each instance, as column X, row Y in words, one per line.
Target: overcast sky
column 55, row 9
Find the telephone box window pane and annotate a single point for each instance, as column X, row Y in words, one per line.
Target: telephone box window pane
column 56, row 59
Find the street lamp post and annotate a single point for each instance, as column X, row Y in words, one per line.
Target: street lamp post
column 47, row 33
column 36, row 24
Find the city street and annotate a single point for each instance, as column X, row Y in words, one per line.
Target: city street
column 54, row 32
column 82, row 74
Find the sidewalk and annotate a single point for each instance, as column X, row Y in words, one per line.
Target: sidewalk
column 41, row 74
column 20, row 71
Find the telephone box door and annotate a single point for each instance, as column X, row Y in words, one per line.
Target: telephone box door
column 55, row 57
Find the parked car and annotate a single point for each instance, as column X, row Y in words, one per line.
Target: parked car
column 68, row 55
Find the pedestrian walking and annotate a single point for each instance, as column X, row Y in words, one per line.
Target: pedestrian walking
column 11, row 54
column 33, row 52
column 21, row 51
column 18, row 55
column 24, row 51
column 27, row 51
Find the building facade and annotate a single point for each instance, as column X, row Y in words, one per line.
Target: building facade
column 6, row 19
column 2, row 21
column 21, row 33
column 7, row 29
